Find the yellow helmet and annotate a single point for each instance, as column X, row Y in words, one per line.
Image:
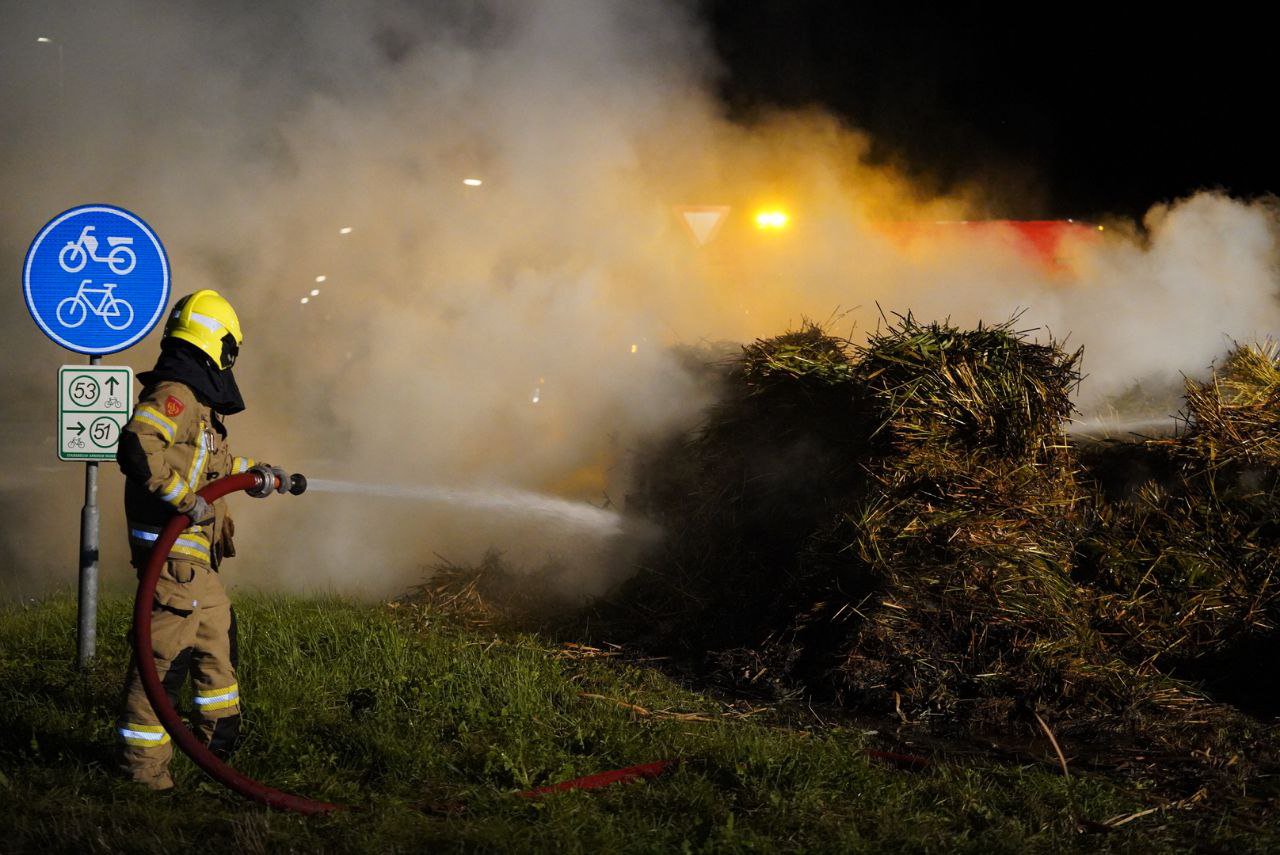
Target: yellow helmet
column 207, row 320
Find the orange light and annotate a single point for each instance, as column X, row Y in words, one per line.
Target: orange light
column 772, row 220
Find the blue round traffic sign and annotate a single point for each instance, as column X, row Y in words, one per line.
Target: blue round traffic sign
column 96, row 279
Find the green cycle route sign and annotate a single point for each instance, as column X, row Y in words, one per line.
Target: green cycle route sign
column 94, row 403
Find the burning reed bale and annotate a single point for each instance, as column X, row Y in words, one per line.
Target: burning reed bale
column 835, row 468
column 1234, row 418
column 985, row 391
column 962, row 546
column 902, row 524
column 741, row 494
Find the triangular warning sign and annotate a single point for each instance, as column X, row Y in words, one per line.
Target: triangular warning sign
column 703, row 221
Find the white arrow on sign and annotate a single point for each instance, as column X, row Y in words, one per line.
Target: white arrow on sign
column 703, row 221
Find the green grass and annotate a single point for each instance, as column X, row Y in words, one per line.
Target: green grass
column 462, row 720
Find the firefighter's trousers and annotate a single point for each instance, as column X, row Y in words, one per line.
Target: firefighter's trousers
column 198, row 641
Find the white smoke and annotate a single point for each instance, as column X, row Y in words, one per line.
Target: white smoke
column 250, row 135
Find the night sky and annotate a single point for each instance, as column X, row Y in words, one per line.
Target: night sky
column 1065, row 109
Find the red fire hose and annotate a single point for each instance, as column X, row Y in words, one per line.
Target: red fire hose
column 145, row 658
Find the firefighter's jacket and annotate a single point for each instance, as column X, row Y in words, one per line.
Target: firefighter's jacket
column 172, row 447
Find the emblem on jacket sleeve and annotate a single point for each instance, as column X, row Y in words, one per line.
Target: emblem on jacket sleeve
column 172, row 407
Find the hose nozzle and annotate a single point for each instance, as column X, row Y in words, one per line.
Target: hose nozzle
column 272, row 479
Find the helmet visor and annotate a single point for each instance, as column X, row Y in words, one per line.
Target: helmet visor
column 230, row 350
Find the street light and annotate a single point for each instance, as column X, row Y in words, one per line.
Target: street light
column 45, row 40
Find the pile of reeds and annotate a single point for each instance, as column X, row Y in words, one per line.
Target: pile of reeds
column 1188, row 569
column 960, row 551
column 1233, row 419
column 903, row 524
column 987, row 390
column 740, row 495
column 1185, row 572
column 808, row 357
column 918, row 478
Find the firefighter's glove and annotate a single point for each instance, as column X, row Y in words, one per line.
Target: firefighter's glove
column 267, row 482
column 202, row 513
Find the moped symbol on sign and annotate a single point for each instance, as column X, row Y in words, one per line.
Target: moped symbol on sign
column 75, row 256
column 96, row 279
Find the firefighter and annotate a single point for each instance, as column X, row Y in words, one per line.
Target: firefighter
column 174, row 445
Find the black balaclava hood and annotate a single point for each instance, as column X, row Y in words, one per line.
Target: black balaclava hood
column 188, row 364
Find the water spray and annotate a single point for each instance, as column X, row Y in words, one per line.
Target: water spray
column 579, row 515
column 1104, row 427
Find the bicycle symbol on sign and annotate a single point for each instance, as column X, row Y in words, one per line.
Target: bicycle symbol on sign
column 115, row 312
column 76, row 254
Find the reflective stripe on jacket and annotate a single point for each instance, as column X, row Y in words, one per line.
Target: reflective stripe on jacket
column 172, row 447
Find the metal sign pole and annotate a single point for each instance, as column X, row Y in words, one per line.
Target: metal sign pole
column 87, row 634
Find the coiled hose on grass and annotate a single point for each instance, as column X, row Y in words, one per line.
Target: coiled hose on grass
column 144, row 656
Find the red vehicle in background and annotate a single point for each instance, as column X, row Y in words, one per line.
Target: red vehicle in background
column 1046, row 242
column 1043, row 241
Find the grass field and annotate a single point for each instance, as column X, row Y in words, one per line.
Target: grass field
column 428, row 731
